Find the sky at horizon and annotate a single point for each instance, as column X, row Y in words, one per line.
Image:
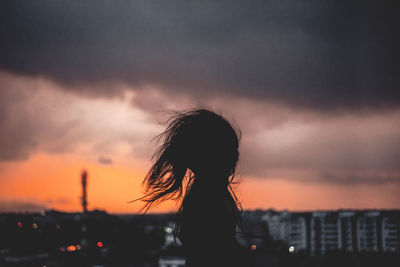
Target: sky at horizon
column 312, row 85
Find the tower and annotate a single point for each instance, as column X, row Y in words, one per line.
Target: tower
column 84, row 176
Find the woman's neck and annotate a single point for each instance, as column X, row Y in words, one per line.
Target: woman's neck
column 210, row 183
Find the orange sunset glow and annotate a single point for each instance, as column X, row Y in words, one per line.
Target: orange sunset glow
column 53, row 182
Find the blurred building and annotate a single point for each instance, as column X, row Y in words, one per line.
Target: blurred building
column 297, row 233
column 325, row 232
column 367, row 231
column 288, row 227
column 348, row 231
column 347, row 228
column 390, row 234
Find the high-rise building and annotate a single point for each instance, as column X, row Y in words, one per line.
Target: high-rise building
column 325, row 233
column 347, row 226
column 297, row 233
column 367, row 231
column 391, row 234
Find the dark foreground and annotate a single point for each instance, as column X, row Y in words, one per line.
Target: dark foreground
column 99, row 239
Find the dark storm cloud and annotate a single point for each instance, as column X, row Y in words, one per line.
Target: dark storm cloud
column 315, row 54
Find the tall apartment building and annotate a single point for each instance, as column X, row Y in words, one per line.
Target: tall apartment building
column 325, row 233
column 347, row 227
column 297, row 233
column 367, row 231
column 390, row 234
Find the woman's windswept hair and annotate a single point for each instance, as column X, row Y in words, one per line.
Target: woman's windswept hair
column 193, row 140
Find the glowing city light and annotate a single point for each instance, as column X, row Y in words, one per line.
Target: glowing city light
column 19, row 224
column 253, row 247
column 34, row 225
column 291, row 249
column 168, row 230
column 43, row 212
column 99, row 244
column 71, row 248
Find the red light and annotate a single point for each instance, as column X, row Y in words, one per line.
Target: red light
column 71, row 248
column 99, row 244
column 19, row 224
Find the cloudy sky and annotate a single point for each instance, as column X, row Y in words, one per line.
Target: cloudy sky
column 314, row 86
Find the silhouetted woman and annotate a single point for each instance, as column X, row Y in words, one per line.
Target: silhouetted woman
column 196, row 165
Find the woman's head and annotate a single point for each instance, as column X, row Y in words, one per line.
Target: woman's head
column 203, row 142
column 200, row 141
